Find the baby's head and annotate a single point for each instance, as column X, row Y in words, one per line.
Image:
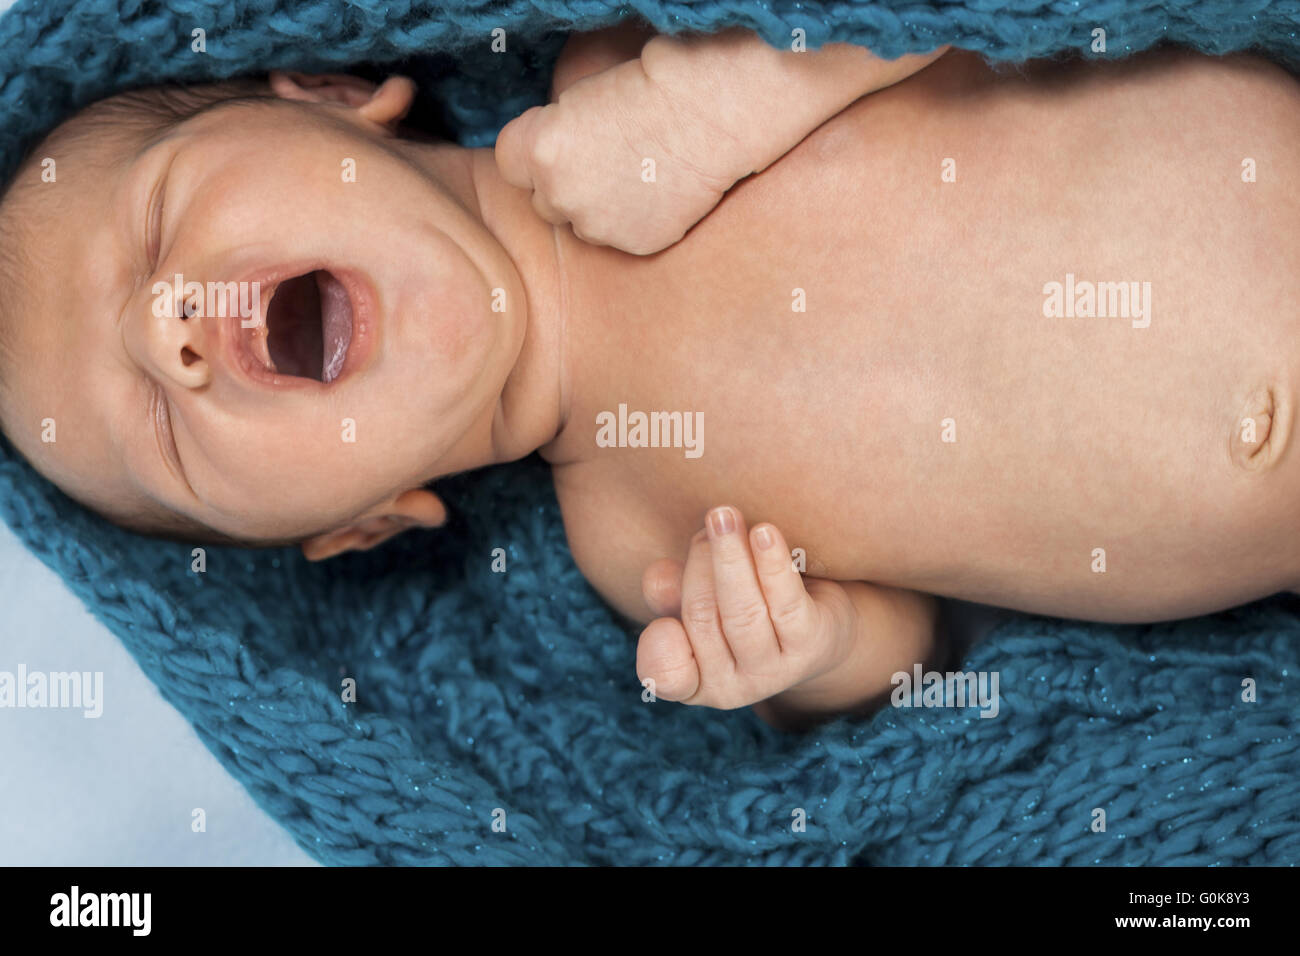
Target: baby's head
column 338, row 350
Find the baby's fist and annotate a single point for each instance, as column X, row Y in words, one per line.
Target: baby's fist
column 613, row 157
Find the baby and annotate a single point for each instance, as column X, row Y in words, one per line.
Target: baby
column 1024, row 337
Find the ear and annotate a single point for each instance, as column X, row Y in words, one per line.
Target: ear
column 385, row 105
column 417, row 508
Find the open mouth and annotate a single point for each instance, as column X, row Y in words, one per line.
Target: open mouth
column 309, row 327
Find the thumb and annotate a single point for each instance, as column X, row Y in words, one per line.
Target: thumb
column 511, row 149
column 661, row 586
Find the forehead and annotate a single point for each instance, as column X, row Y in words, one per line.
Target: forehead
column 67, row 381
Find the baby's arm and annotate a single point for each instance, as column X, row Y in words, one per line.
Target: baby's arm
column 741, row 627
column 760, row 102
column 634, row 155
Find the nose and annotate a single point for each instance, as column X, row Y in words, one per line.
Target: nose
column 174, row 341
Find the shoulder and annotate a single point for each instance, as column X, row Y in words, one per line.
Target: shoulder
column 614, row 534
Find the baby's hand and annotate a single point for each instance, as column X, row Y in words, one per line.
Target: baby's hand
column 748, row 628
column 619, row 160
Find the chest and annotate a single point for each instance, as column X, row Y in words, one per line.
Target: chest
column 756, row 363
column 853, row 347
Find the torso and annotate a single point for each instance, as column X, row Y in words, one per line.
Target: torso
column 924, row 303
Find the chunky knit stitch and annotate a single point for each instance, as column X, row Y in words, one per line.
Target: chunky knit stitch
column 480, row 691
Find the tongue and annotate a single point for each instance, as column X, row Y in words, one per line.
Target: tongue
column 336, row 324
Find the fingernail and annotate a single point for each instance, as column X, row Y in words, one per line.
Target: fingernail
column 764, row 538
column 722, row 521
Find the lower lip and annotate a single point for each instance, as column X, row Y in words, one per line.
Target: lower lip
column 361, row 295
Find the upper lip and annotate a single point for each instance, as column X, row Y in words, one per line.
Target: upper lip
column 237, row 340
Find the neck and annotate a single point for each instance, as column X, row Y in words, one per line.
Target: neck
column 533, row 407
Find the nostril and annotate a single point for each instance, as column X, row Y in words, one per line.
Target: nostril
column 188, row 356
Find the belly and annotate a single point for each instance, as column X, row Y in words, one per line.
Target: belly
column 872, row 334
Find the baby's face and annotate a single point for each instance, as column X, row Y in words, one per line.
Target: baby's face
column 375, row 288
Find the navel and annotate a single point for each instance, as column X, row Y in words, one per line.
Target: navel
column 1262, row 429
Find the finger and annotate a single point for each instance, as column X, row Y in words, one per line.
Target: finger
column 742, row 607
column 789, row 607
column 664, row 655
column 511, row 150
column 700, row 615
column 661, row 586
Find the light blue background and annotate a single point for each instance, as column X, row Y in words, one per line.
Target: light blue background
column 120, row 789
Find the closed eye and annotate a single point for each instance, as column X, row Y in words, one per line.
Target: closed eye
column 153, row 223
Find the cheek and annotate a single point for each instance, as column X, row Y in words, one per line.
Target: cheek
column 285, row 463
column 452, row 326
column 284, row 506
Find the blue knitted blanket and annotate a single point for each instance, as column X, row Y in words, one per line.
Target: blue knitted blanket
column 511, row 698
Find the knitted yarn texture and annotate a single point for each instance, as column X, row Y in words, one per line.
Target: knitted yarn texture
column 484, row 696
